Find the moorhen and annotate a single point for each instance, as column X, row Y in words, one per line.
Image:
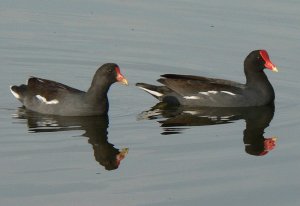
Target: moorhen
column 197, row 91
column 50, row 97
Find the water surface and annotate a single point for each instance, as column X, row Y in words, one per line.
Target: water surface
column 175, row 157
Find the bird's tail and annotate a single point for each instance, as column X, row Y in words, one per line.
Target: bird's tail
column 156, row 91
column 19, row 91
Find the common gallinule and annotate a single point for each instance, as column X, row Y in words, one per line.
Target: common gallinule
column 197, row 91
column 50, row 97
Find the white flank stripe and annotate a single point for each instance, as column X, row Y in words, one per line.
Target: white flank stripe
column 226, row 117
column 213, row 117
column 155, row 93
column 191, row 112
column 44, row 100
column 14, row 93
column 230, row 93
column 208, row 92
column 204, row 93
column 191, row 97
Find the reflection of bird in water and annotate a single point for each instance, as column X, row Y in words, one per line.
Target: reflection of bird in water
column 256, row 121
column 95, row 129
column 175, row 119
column 104, row 152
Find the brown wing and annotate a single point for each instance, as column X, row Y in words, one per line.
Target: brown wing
column 49, row 89
column 192, row 85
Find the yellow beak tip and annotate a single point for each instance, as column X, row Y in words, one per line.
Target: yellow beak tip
column 125, row 82
column 275, row 69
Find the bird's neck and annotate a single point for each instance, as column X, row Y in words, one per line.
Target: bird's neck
column 256, row 78
column 99, row 87
column 97, row 95
column 258, row 82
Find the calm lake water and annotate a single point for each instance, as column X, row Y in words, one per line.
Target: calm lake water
column 174, row 156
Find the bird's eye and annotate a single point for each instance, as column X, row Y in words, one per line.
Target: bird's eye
column 258, row 57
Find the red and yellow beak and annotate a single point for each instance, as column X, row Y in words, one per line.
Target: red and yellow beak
column 121, row 155
column 269, row 144
column 120, row 78
column 268, row 64
column 271, row 66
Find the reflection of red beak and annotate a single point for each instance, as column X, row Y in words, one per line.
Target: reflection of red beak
column 121, row 155
column 269, row 144
column 120, row 78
